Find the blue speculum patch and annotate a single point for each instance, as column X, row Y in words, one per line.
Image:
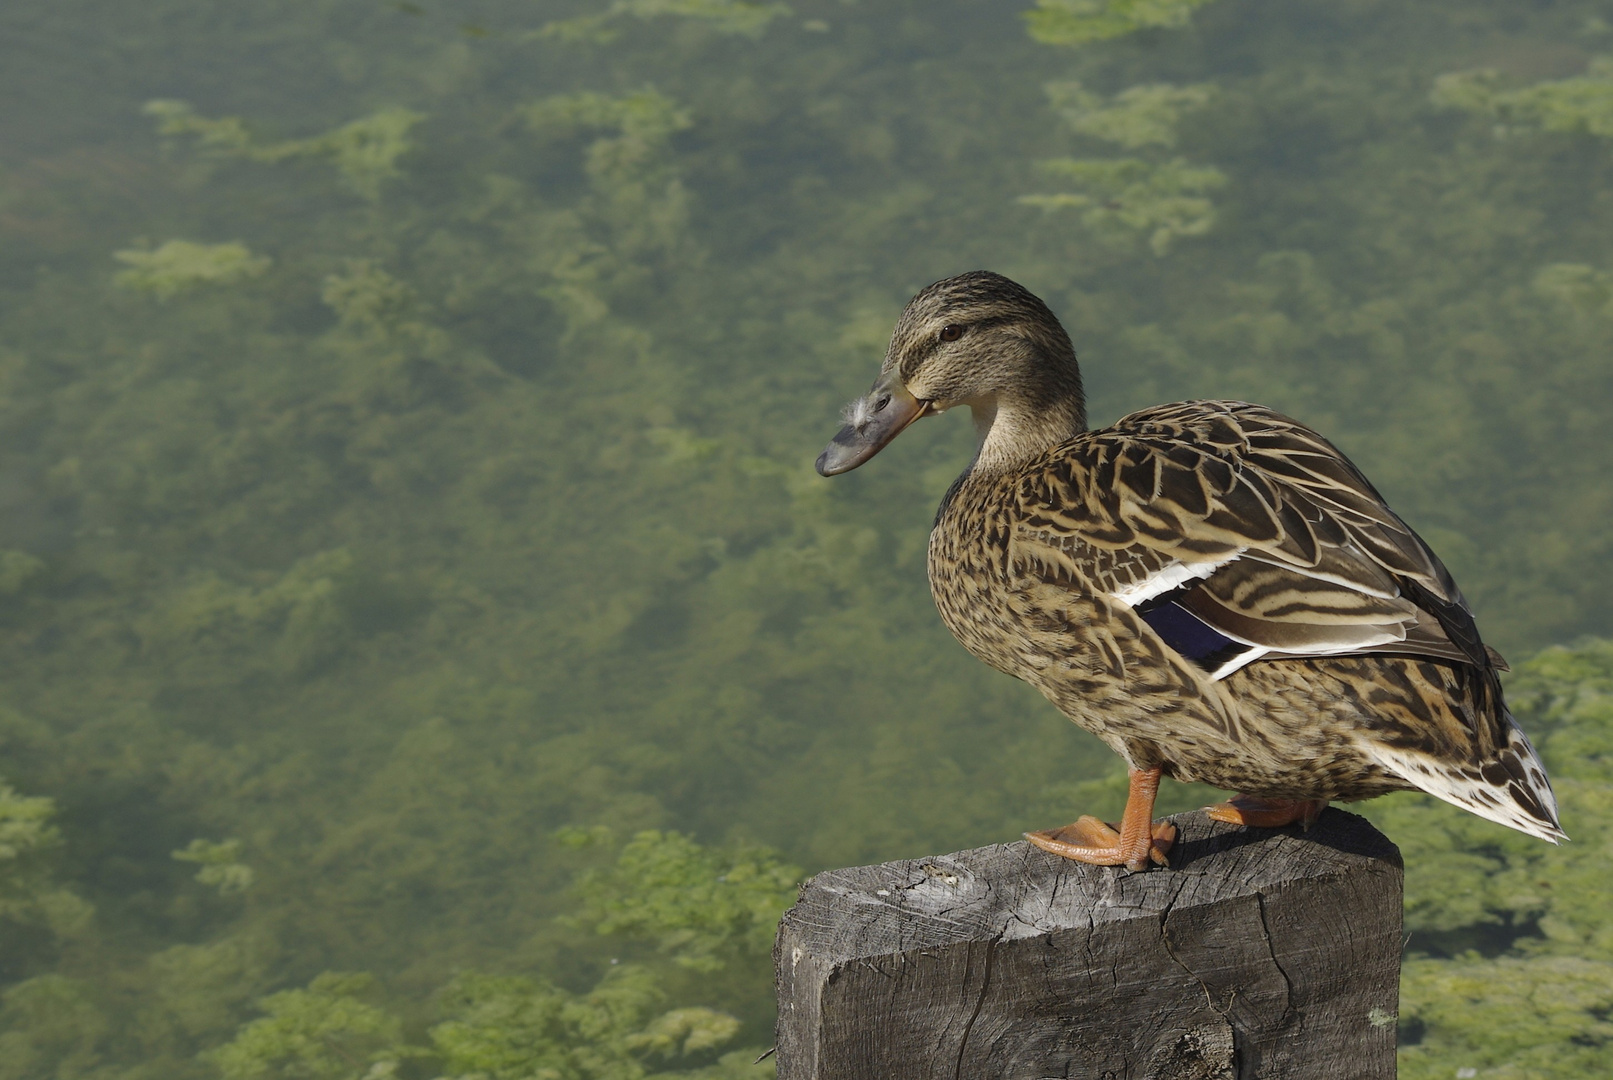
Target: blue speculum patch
column 1188, row 634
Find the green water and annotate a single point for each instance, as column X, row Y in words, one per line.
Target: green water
column 406, row 422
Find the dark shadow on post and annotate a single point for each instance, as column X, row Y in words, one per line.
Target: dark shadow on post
column 1259, row 954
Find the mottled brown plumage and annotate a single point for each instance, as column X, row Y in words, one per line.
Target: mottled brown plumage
column 1209, row 587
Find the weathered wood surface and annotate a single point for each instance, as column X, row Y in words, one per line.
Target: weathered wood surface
column 1258, row 954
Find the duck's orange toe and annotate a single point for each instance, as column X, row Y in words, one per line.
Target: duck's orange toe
column 1267, row 813
column 1089, row 840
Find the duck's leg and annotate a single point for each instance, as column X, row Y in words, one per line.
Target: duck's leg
column 1267, row 813
column 1141, row 840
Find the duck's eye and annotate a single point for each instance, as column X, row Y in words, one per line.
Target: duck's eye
column 951, row 333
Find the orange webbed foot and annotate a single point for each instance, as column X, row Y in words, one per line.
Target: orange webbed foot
column 1267, row 813
column 1089, row 840
column 1138, row 841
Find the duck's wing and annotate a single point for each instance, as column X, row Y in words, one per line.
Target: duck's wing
column 1238, row 534
column 1242, row 535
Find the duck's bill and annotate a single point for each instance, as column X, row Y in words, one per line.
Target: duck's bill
column 872, row 422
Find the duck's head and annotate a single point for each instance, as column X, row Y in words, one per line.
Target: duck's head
column 979, row 340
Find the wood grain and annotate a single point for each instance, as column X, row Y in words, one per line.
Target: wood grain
column 1258, row 954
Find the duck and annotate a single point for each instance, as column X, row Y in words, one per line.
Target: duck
column 1210, row 587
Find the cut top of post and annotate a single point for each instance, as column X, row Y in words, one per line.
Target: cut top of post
column 1254, row 951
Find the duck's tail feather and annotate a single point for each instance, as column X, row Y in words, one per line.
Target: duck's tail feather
column 1511, row 789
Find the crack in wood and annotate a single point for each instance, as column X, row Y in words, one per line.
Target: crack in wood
column 1288, row 984
column 980, row 1001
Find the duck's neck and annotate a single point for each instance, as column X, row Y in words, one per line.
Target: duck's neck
column 1013, row 431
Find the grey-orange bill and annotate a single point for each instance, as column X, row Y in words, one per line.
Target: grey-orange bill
column 872, row 421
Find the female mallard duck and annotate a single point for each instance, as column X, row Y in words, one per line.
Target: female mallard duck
column 1209, row 587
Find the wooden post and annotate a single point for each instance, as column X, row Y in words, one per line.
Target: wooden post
column 1258, row 954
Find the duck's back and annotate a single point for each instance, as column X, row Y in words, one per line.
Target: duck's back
column 1213, row 587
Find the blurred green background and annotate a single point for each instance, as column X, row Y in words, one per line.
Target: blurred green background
column 425, row 648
